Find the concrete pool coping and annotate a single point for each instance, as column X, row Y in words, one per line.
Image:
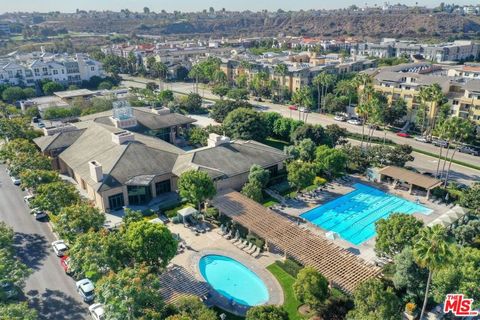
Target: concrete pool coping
column 275, row 291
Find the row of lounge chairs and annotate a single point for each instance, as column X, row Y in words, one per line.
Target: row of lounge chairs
column 240, row 243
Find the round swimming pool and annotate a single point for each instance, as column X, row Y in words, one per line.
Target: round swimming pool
column 233, row 280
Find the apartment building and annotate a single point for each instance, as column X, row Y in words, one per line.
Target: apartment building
column 4, row 29
column 459, row 50
column 405, row 81
column 31, row 68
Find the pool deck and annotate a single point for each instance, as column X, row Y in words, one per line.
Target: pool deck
column 211, row 242
column 337, row 189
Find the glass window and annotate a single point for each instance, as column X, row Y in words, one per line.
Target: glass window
column 138, row 195
column 162, row 187
column 116, row 201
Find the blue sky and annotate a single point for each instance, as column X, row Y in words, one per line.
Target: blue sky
column 193, row 5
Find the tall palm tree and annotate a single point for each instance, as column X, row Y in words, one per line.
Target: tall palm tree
column 363, row 110
column 346, row 88
column 328, row 81
column 317, row 81
column 431, row 251
column 438, row 98
column 464, row 129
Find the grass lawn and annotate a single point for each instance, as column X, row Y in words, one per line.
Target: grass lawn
column 286, row 281
column 275, row 143
column 268, row 201
column 229, row 315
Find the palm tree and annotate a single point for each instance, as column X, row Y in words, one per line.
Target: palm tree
column 196, row 73
column 431, row 251
column 317, row 81
column 363, row 110
column 281, row 70
column 463, row 130
column 437, row 97
column 345, row 88
column 328, row 81
column 303, row 97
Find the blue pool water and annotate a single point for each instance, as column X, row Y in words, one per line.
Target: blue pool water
column 233, row 280
column 353, row 215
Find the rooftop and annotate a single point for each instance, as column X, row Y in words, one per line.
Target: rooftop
column 74, row 93
column 410, row 177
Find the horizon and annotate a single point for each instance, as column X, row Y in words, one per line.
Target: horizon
column 196, row 6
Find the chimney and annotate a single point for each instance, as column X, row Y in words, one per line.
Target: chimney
column 96, row 172
column 215, row 140
column 122, row 137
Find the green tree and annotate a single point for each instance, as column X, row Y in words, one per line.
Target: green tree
column 316, row 133
column 17, row 311
column 6, row 236
column 132, row 293
column 431, row 251
column 77, row 219
column 13, row 94
column 253, row 190
column 198, row 136
column 191, row 103
column 28, row 161
column 283, row 128
column 300, row 174
column 31, row 179
column 17, row 128
column 29, row 93
column 396, row 233
column 196, row 186
column 259, row 174
column 51, row 86
column 460, row 275
column 165, row 96
column 335, row 134
column 409, row 277
column 331, row 162
column 373, row 301
column 311, row 287
column 269, row 312
column 471, row 198
column 192, row 308
column 269, row 119
column 54, row 196
column 221, row 109
column 32, row 112
column 238, row 94
column 246, row 124
column 105, row 85
column 220, row 90
column 151, row 243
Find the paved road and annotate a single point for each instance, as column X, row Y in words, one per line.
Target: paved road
column 312, row 117
column 48, row 289
column 425, row 163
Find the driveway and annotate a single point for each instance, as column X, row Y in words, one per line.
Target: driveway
column 48, row 289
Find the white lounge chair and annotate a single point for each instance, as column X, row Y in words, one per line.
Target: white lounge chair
column 228, row 235
column 242, row 244
column 256, row 253
column 252, row 250
column 235, row 239
column 247, row 248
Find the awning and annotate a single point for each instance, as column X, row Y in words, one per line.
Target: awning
column 410, row 177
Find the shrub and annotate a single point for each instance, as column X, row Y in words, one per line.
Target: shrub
column 319, row 181
column 410, row 308
column 290, row 266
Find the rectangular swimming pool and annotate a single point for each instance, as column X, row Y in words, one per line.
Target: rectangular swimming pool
column 353, row 215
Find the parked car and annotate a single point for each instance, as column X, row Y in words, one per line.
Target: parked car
column 97, row 311
column 403, row 134
column 339, row 117
column 354, row 121
column 59, row 247
column 469, row 150
column 293, row 107
column 9, row 289
column 440, row 143
column 86, row 290
column 303, row 109
column 422, row 139
column 28, row 199
column 65, row 263
column 38, row 214
column 16, row 181
column 41, row 125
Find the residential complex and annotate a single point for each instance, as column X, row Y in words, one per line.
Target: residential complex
column 460, row 85
column 118, row 167
column 28, row 69
column 459, row 50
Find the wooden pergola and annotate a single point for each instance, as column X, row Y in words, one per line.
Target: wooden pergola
column 342, row 268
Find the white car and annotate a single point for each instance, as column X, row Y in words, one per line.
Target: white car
column 354, row 121
column 97, row 311
column 28, row 199
column 59, row 247
column 303, row 109
column 86, row 289
column 422, row 139
column 339, row 117
column 38, row 214
column 16, row 181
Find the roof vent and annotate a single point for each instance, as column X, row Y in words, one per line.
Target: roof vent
column 122, row 137
column 160, row 110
